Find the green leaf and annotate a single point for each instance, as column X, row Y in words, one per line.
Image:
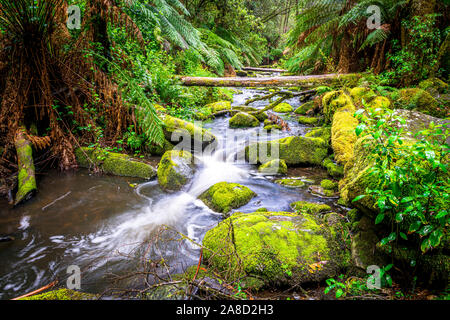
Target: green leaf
column 403, row 236
column 379, row 218
column 339, row 293
column 359, row 198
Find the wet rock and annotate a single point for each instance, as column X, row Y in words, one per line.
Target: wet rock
column 304, row 108
column 434, row 86
column 322, row 192
column 114, row 163
column 310, row 207
column 175, row 170
column 328, row 185
column 224, row 197
column 219, row 106
column 358, row 94
column 279, row 248
column 273, row 127
column 308, row 120
column 291, row 183
column 274, row 167
column 420, row 100
column 283, row 108
column 333, row 169
column 336, row 100
column 243, row 120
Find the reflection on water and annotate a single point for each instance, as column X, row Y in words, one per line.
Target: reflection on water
column 97, row 222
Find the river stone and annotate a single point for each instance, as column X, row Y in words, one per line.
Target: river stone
column 243, row 120
column 308, row 120
column 291, row 183
column 176, row 130
column 274, row 167
column 278, row 248
column 118, row 164
column 283, row 108
column 293, row 150
column 224, row 197
column 304, row 108
column 175, row 170
column 310, row 207
column 219, row 106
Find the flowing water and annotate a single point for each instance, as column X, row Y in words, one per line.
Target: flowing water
column 99, row 223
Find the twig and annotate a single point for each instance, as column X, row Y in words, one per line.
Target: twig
column 37, row 291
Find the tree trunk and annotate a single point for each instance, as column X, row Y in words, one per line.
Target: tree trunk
column 26, row 180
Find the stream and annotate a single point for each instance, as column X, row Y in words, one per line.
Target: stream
column 100, row 223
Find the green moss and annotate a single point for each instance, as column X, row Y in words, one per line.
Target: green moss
column 172, row 124
column 419, row 100
column 333, row 169
column 380, row 102
column 309, row 207
column 223, row 196
column 304, row 108
column 434, row 86
column 328, row 184
column 308, row 120
column 283, row 108
column 293, row 150
column 175, row 169
column 160, row 150
column 276, row 247
column 358, row 94
column 261, row 116
column 274, row 167
column 246, row 109
column 219, row 106
column 343, row 136
column 62, row 294
column 273, row 127
column 291, row 183
column 243, row 120
column 323, row 133
column 262, row 210
column 334, row 101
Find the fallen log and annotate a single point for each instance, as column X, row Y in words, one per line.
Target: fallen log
column 291, row 81
column 26, row 177
column 263, row 69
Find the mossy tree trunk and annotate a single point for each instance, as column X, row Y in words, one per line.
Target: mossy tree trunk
column 26, row 180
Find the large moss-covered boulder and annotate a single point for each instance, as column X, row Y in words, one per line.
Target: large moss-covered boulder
column 175, row 170
column 114, row 163
column 62, row 294
column 336, row 100
column 177, row 130
column 277, row 248
column 283, row 108
column 274, row 167
column 420, row 100
column 293, row 150
column 243, row 120
column 224, row 197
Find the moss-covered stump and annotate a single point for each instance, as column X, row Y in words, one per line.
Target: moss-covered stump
column 114, row 163
column 62, row 294
column 304, row 108
column 175, row 170
column 278, row 248
column 26, row 178
column 420, row 100
column 177, row 130
column 274, row 167
column 283, row 108
column 291, row 183
column 333, row 169
column 334, row 101
column 308, row 120
column 293, row 150
column 243, row 120
column 310, row 207
column 224, row 197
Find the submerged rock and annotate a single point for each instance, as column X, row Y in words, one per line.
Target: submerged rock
column 277, row 248
column 243, row 120
column 274, row 167
column 114, row 163
column 224, row 197
column 175, row 170
column 293, row 150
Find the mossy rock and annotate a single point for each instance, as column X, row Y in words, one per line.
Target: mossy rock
column 294, row 150
column 219, row 106
column 261, row 116
column 175, row 128
column 279, row 248
column 322, row 192
column 243, row 120
column 224, row 197
column 358, row 94
column 62, row 294
column 334, row 101
column 310, row 207
column 283, row 108
column 114, row 163
column 273, row 127
column 157, row 150
column 291, row 183
column 268, row 122
column 420, row 100
column 380, row 102
column 364, row 244
column 434, row 86
column 304, row 108
column 333, row 169
column 308, row 120
column 324, row 133
column 328, row 184
column 274, row 167
column 343, row 136
column 175, row 170
column 246, row 109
